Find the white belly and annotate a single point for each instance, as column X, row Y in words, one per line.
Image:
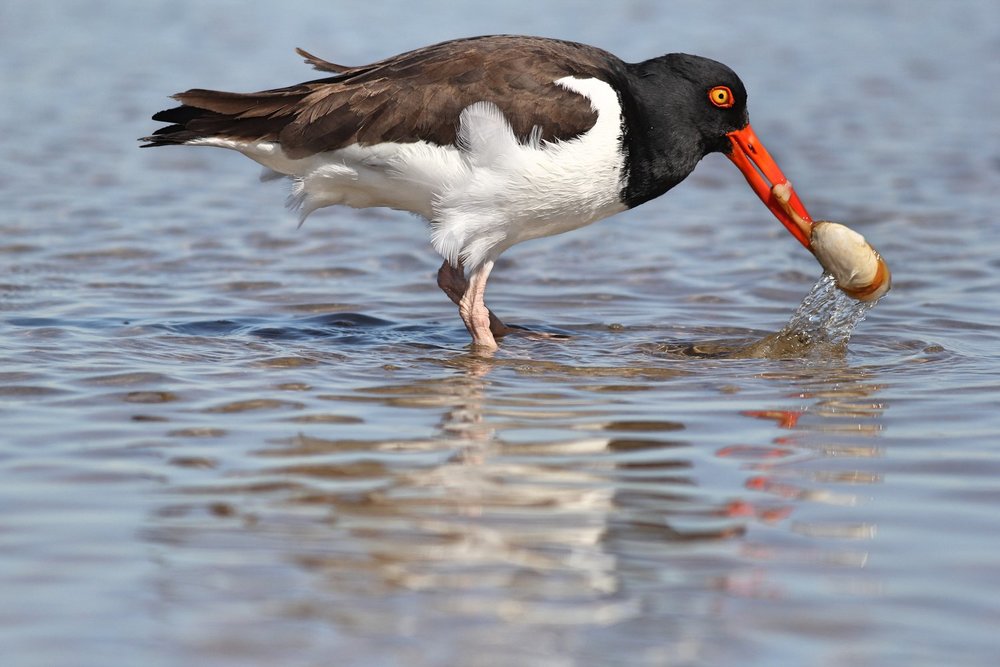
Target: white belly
column 481, row 197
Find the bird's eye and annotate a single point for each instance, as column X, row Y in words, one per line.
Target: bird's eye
column 721, row 97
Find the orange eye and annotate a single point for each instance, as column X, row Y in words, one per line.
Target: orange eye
column 721, row 97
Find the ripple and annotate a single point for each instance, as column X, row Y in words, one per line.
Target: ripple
column 242, row 442
column 197, row 432
column 150, row 397
column 324, row 418
column 129, row 378
column 253, row 405
column 29, row 391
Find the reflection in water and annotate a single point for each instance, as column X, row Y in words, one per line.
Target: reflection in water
column 496, row 526
column 816, row 461
column 237, row 443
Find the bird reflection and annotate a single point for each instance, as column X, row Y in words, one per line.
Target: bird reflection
column 553, row 508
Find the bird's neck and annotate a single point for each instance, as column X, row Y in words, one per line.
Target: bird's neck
column 661, row 146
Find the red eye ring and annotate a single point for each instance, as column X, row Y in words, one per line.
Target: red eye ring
column 721, row 97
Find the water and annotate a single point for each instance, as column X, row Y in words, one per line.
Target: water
column 826, row 315
column 226, row 441
column 821, row 325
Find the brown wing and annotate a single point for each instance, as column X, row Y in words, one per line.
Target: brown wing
column 414, row 96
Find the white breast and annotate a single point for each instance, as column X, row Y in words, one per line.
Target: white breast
column 511, row 192
column 482, row 197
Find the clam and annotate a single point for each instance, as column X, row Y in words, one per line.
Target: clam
column 858, row 269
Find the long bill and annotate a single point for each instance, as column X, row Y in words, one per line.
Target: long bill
column 762, row 173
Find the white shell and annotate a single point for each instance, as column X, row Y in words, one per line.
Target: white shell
column 846, row 255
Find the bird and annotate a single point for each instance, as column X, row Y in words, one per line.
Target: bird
column 493, row 140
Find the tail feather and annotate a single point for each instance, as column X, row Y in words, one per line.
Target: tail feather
column 241, row 116
column 214, row 113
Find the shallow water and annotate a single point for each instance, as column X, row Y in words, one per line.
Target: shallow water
column 230, row 442
column 822, row 325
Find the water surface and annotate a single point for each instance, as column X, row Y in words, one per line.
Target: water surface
column 227, row 441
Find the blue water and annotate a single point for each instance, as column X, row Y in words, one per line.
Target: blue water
column 226, row 441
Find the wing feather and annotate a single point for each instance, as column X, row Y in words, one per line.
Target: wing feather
column 418, row 95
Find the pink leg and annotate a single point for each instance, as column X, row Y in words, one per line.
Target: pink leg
column 473, row 310
column 452, row 280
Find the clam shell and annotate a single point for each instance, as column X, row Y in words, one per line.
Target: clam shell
column 858, row 269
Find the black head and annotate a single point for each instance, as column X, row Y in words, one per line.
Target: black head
column 681, row 109
column 684, row 107
column 701, row 93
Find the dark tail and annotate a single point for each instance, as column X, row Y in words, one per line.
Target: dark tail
column 246, row 116
column 241, row 116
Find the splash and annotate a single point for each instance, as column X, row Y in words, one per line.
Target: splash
column 823, row 322
column 821, row 326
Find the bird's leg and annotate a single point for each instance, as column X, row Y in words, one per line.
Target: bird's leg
column 452, row 280
column 473, row 310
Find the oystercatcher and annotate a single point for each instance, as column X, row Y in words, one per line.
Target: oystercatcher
column 493, row 140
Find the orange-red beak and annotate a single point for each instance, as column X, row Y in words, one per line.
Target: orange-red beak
column 762, row 173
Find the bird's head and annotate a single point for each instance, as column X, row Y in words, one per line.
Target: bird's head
column 713, row 101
